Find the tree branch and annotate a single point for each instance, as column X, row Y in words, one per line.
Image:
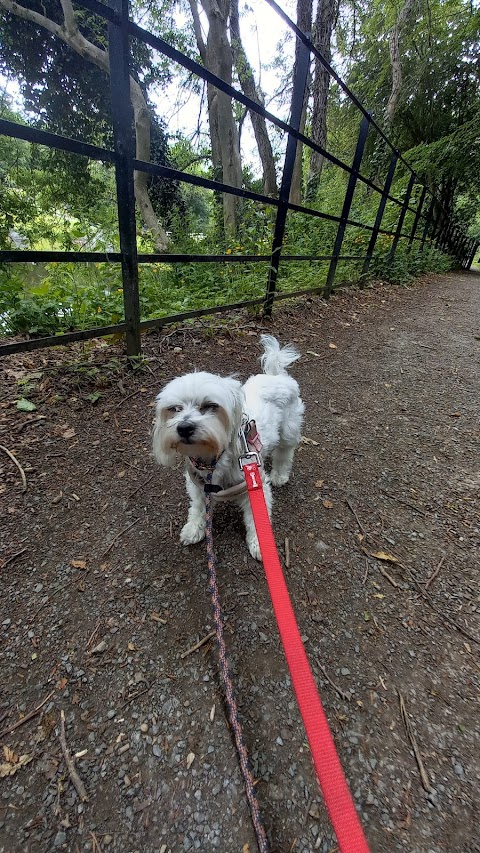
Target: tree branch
column 197, row 27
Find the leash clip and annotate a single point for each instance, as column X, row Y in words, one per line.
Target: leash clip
column 248, row 455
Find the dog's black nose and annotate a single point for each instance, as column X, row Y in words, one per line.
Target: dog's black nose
column 185, row 430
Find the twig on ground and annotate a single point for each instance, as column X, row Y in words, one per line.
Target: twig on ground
column 17, row 463
column 434, row 574
column 135, row 696
column 112, row 543
column 198, row 645
column 366, row 572
column 413, row 742
column 387, row 576
column 362, row 529
column 95, row 845
column 287, row 552
column 6, row 713
column 12, row 558
column 405, row 503
column 28, row 423
column 27, row 717
column 140, row 486
column 77, row 782
column 341, row 693
column 92, row 635
column 437, row 610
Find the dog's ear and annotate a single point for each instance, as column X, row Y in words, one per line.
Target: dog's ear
column 237, row 401
column 164, row 455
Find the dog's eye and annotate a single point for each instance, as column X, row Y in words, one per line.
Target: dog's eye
column 208, row 407
column 174, row 409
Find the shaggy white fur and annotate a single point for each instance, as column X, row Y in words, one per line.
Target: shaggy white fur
column 199, row 416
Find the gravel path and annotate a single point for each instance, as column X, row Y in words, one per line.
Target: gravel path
column 100, row 603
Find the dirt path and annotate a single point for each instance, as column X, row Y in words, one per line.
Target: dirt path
column 100, row 603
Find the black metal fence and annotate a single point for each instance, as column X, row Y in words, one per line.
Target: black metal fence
column 431, row 222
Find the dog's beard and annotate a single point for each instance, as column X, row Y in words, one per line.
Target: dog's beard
column 207, row 442
column 204, row 448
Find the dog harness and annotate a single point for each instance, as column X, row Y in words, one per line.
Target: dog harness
column 251, row 445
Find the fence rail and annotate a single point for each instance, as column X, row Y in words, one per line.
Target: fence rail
column 438, row 227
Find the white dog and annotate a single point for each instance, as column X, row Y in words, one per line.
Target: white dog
column 201, row 416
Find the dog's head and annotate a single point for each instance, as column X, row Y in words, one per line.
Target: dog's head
column 196, row 415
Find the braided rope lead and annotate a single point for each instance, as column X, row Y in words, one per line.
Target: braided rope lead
column 226, row 677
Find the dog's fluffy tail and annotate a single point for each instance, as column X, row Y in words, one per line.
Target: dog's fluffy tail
column 275, row 358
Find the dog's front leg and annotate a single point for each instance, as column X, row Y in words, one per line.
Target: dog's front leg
column 251, row 537
column 194, row 530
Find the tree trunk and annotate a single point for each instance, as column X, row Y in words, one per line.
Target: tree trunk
column 304, row 23
column 327, row 12
column 71, row 35
column 247, row 82
column 217, row 56
column 394, row 48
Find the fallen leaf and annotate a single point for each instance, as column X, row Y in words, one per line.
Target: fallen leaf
column 366, row 616
column 316, row 354
column 381, row 555
column 79, row 563
column 93, row 398
column 9, row 755
column 75, row 497
column 131, row 647
column 121, row 474
column 455, row 414
column 378, row 595
column 246, row 848
column 212, row 714
column 8, row 768
column 190, row 759
column 24, row 405
column 327, row 504
column 333, row 346
column 69, row 433
column 62, row 683
column 319, row 484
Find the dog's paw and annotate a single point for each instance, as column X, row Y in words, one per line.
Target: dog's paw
column 192, row 533
column 277, row 479
column 254, row 547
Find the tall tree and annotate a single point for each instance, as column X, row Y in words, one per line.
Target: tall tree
column 251, row 90
column 327, row 12
column 217, row 55
column 304, row 23
column 395, row 56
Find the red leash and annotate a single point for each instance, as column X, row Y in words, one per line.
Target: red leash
column 334, row 786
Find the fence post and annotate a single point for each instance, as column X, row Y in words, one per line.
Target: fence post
column 472, row 255
column 401, row 218
column 428, row 222
column 352, row 180
column 417, row 218
column 379, row 216
column 298, row 95
column 122, row 115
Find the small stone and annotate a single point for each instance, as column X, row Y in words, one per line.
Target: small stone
column 107, row 839
column 60, row 839
column 110, row 714
column 144, row 728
